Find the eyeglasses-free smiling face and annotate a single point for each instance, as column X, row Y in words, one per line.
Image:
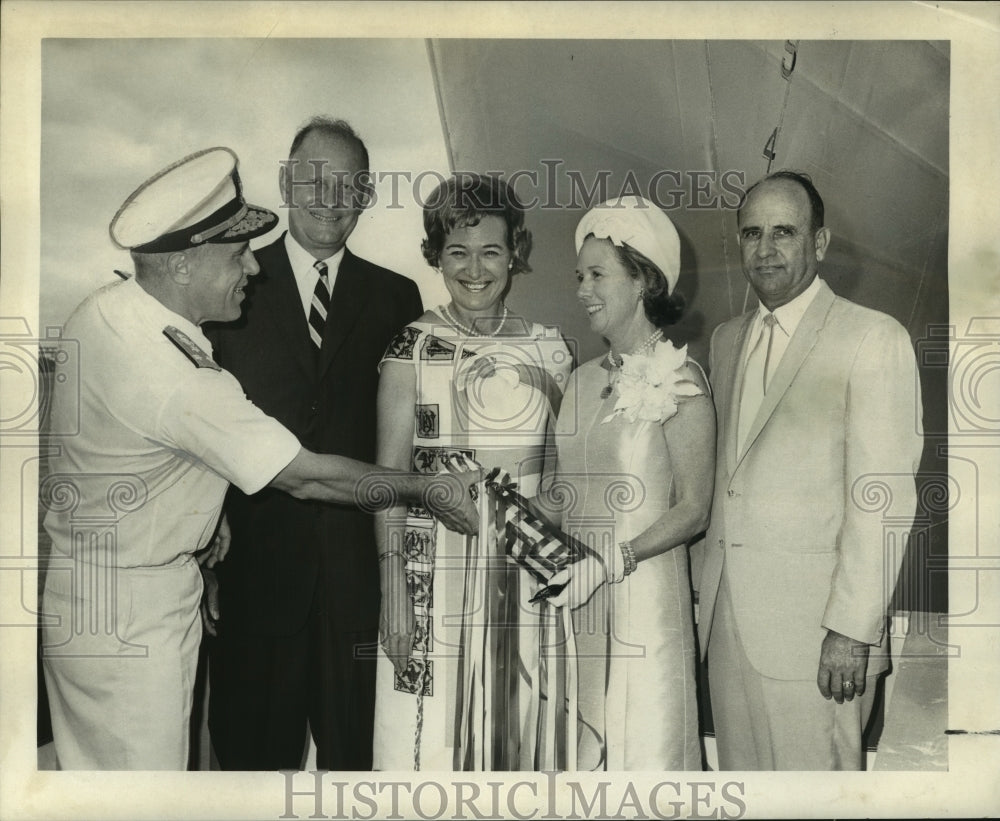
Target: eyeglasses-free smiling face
column 778, row 247
column 318, row 188
column 475, row 263
column 607, row 291
column 217, row 274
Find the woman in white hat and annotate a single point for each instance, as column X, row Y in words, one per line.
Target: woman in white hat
column 636, row 455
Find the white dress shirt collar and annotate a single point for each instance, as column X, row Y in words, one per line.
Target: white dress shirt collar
column 790, row 314
column 788, row 317
column 303, row 267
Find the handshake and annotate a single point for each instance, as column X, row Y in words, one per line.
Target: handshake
column 451, row 495
column 454, row 497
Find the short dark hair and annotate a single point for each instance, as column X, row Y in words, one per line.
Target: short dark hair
column 800, row 178
column 462, row 201
column 661, row 307
column 330, row 127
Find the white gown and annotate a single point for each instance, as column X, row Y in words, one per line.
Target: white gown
column 498, row 422
column 635, row 640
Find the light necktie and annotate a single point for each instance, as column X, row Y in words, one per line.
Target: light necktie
column 320, row 305
column 755, row 378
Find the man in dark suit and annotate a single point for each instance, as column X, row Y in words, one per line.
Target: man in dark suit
column 298, row 623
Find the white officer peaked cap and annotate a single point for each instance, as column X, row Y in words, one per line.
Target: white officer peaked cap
column 195, row 200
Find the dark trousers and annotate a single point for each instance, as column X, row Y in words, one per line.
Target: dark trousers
column 265, row 688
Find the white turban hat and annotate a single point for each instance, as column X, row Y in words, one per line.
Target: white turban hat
column 638, row 223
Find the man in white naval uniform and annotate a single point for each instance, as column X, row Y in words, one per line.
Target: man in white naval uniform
column 138, row 491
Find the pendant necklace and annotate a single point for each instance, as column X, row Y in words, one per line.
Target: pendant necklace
column 615, row 362
column 451, row 318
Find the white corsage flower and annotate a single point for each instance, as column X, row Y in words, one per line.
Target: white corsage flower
column 649, row 386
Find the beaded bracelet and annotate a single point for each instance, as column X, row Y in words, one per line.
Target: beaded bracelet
column 628, row 554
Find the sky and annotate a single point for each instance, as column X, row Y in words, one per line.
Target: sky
column 116, row 111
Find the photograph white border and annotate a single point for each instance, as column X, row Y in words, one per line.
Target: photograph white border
column 969, row 788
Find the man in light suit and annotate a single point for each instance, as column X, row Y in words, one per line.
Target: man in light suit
column 818, row 433
column 298, row 629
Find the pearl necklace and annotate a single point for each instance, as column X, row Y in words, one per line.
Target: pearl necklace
column 452, row 319
column 616, row 362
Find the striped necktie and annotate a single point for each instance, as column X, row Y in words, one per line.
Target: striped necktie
column 320, row 305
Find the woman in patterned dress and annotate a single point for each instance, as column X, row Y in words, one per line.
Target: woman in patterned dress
column 636, row 456
column 457, row 684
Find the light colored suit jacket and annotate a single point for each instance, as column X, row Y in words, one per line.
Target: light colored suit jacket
column 806, row 521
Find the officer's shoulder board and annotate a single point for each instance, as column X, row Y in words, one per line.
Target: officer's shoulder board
column 190, row 348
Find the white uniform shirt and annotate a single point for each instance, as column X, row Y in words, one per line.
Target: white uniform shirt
column 159, row 438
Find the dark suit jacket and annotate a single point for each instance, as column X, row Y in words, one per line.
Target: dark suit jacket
column 282, row 547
